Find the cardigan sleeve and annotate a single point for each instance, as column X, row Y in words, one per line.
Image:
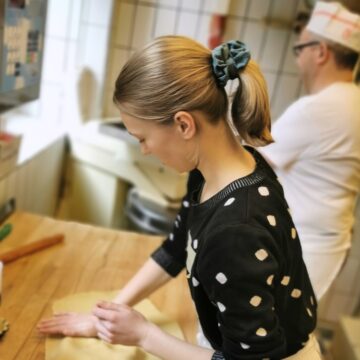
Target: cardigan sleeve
column 171, row 255
column 238, row 268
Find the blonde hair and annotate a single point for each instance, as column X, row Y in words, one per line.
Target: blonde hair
column 174, row 73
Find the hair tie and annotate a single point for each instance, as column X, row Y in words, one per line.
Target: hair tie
column 228, row 59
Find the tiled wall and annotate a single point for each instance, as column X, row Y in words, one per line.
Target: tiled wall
column 265, row 25
column 76, row 49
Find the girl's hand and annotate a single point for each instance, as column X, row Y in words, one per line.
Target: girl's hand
column 120, row 324
column 69, row 324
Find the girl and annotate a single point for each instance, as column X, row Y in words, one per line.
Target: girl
column 234, row 234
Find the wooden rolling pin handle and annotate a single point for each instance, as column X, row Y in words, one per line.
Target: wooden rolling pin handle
column 30, row 248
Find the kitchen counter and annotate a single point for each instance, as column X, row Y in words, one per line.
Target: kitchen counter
column 90, row 259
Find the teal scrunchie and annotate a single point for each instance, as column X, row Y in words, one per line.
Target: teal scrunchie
column 228, row 59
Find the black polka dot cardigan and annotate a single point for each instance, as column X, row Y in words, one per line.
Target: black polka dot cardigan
column 244, row 267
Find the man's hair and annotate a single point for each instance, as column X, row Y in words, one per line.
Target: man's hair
column 345, row 58
column 301, row 20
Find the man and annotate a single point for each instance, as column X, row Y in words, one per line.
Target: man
column 316, row 153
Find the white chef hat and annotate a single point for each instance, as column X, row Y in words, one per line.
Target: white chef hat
column 334, row 22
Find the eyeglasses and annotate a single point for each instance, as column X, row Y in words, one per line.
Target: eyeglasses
column 299, row 47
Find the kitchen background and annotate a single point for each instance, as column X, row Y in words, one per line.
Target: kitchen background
column 86, row 44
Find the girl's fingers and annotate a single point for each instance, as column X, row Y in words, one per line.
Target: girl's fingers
column 103, row 337
column 103, row 328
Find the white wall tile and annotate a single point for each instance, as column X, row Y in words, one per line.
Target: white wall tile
column 286, row 93
column 290, row 60
column 169, row 3
column 187, row 24
column 217, row 6
column 283, row 9
column 123, row 24
column 252, row 36
column 233, row 29
column 270, row 82
column 258, row 9
column 165, row 22
column 110, row 110
column 100, row 12
column 238, row 7
column 75, row 18
column 143, row 25
column 118, row 59
column 203, row 29
column 73, row 59
column 191, row 4
column 54, row 60
column 152, row 2
column 273, row 51
column 301, row 6
column 57, row 20
column 94, row 49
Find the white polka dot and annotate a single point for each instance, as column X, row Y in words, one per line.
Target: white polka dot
column 296, row 293
column 195, row 282
column 293, row 233
column 219, row 324
column 285, row 280
column 261, row 254
column 176, row 223
column 186, row 204
column 178, row 217
column 244, row 346
column 221, row 278
column 261, row 332
column 270, row 279
column 229, row 201
column 171, row 236
column 271, row 220
column 255, row 300
column 311, row 300
column 273, row 308
column 309, row 312
column 221, row 306
column 195, row 243
column 263, row 191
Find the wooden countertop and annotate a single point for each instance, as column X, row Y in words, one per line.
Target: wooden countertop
column 90, row 259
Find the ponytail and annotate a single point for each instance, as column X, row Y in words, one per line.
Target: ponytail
column 250, row 110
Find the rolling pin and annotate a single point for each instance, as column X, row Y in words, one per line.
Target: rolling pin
column 30, row 248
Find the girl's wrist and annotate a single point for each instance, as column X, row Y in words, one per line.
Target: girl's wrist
column 150, row 330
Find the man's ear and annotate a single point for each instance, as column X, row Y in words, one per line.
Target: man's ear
column 323, row 53
column 185, row 124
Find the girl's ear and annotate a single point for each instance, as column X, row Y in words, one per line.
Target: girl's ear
column 185, row 124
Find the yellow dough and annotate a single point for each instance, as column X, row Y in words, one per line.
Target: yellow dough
column 67, row 348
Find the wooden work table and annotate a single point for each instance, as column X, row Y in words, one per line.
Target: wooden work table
column 90, row 259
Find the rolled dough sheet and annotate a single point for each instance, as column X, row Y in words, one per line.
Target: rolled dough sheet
column 67, row 348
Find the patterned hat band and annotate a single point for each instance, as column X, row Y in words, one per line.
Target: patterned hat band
column 228, row 59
